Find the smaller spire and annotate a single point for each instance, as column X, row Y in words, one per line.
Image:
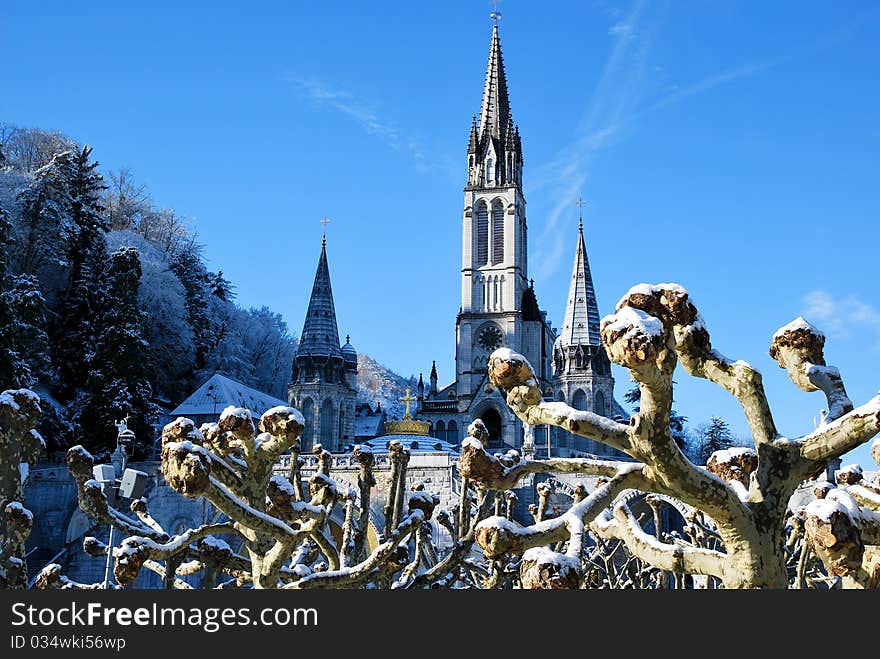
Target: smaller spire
column 348, row 338
column 581, row 323
column 433, row 379
column 472, row 142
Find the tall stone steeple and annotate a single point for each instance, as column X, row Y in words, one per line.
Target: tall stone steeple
column 498, row 307
column 324, row 379
column 494, row 146
column 495, row 109
column 320, row 334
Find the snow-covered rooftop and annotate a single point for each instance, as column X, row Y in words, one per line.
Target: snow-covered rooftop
column 220, row 392
column 368, row 426
column 415, row 443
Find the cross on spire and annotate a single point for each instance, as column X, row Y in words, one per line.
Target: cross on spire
column 580, row 203
column 495, row 15
column 324, row 221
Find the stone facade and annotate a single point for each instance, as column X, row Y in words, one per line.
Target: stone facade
column 324, row 382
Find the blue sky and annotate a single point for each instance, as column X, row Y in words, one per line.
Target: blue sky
column 727, row 146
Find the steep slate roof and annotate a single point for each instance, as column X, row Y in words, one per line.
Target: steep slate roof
column 581, row 325
column 368, row 425
column 218, row 392
column 320, row 335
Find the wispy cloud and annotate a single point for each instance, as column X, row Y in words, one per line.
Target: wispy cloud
column 615, row 98
column 844, row 317
column 677, row 94
column 622, row 97
column 365, row 114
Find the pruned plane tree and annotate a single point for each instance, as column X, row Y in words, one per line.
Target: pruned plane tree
column 280, row 527
column 20, row 444
column 273, row 530
column 742, row 530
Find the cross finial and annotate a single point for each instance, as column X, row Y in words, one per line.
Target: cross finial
column 325, row 221
column 495, row 15
column 580, row 204
column 407, row 399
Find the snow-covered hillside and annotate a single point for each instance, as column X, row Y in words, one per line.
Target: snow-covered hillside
column 378, row 384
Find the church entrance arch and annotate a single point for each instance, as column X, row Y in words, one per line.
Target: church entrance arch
column 492, row 420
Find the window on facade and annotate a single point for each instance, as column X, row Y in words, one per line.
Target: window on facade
column 308, row 411
column 490, row 172
column 440, row 432
column 328, row 427
column 482, row 234
column 452, row 433
column 497, row 232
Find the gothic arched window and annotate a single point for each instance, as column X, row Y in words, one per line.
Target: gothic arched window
column 482, row 231
column 328, row 428
column 490, row 172
column 497, row 232
column 441, row 431
column 452, row 433
column 579, row 400
column 308, row 412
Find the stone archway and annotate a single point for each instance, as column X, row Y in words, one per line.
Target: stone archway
column 495, row 425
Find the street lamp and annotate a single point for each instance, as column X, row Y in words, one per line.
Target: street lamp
column 131, row 486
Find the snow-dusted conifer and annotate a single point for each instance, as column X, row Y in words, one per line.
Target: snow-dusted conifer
column 117, row 384
column 86, row 256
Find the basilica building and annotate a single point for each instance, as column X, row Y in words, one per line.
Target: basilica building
column 499, row 308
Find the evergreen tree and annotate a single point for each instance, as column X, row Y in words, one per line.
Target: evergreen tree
column 86, row 255
column 713, row 436
column 44, row 216
column 23, row 343
column 117, row 384
column 190, row 270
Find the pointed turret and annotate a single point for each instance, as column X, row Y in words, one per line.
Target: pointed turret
column 320, row 334
column 472, row 141
column 581, row 325
column 509, row 135
column 421, row 389
column 433, row 379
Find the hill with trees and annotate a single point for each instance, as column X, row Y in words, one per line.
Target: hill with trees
column 108, row 307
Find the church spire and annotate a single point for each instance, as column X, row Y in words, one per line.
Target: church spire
column 320, row 334
column 495, row 111
column 581, row 325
